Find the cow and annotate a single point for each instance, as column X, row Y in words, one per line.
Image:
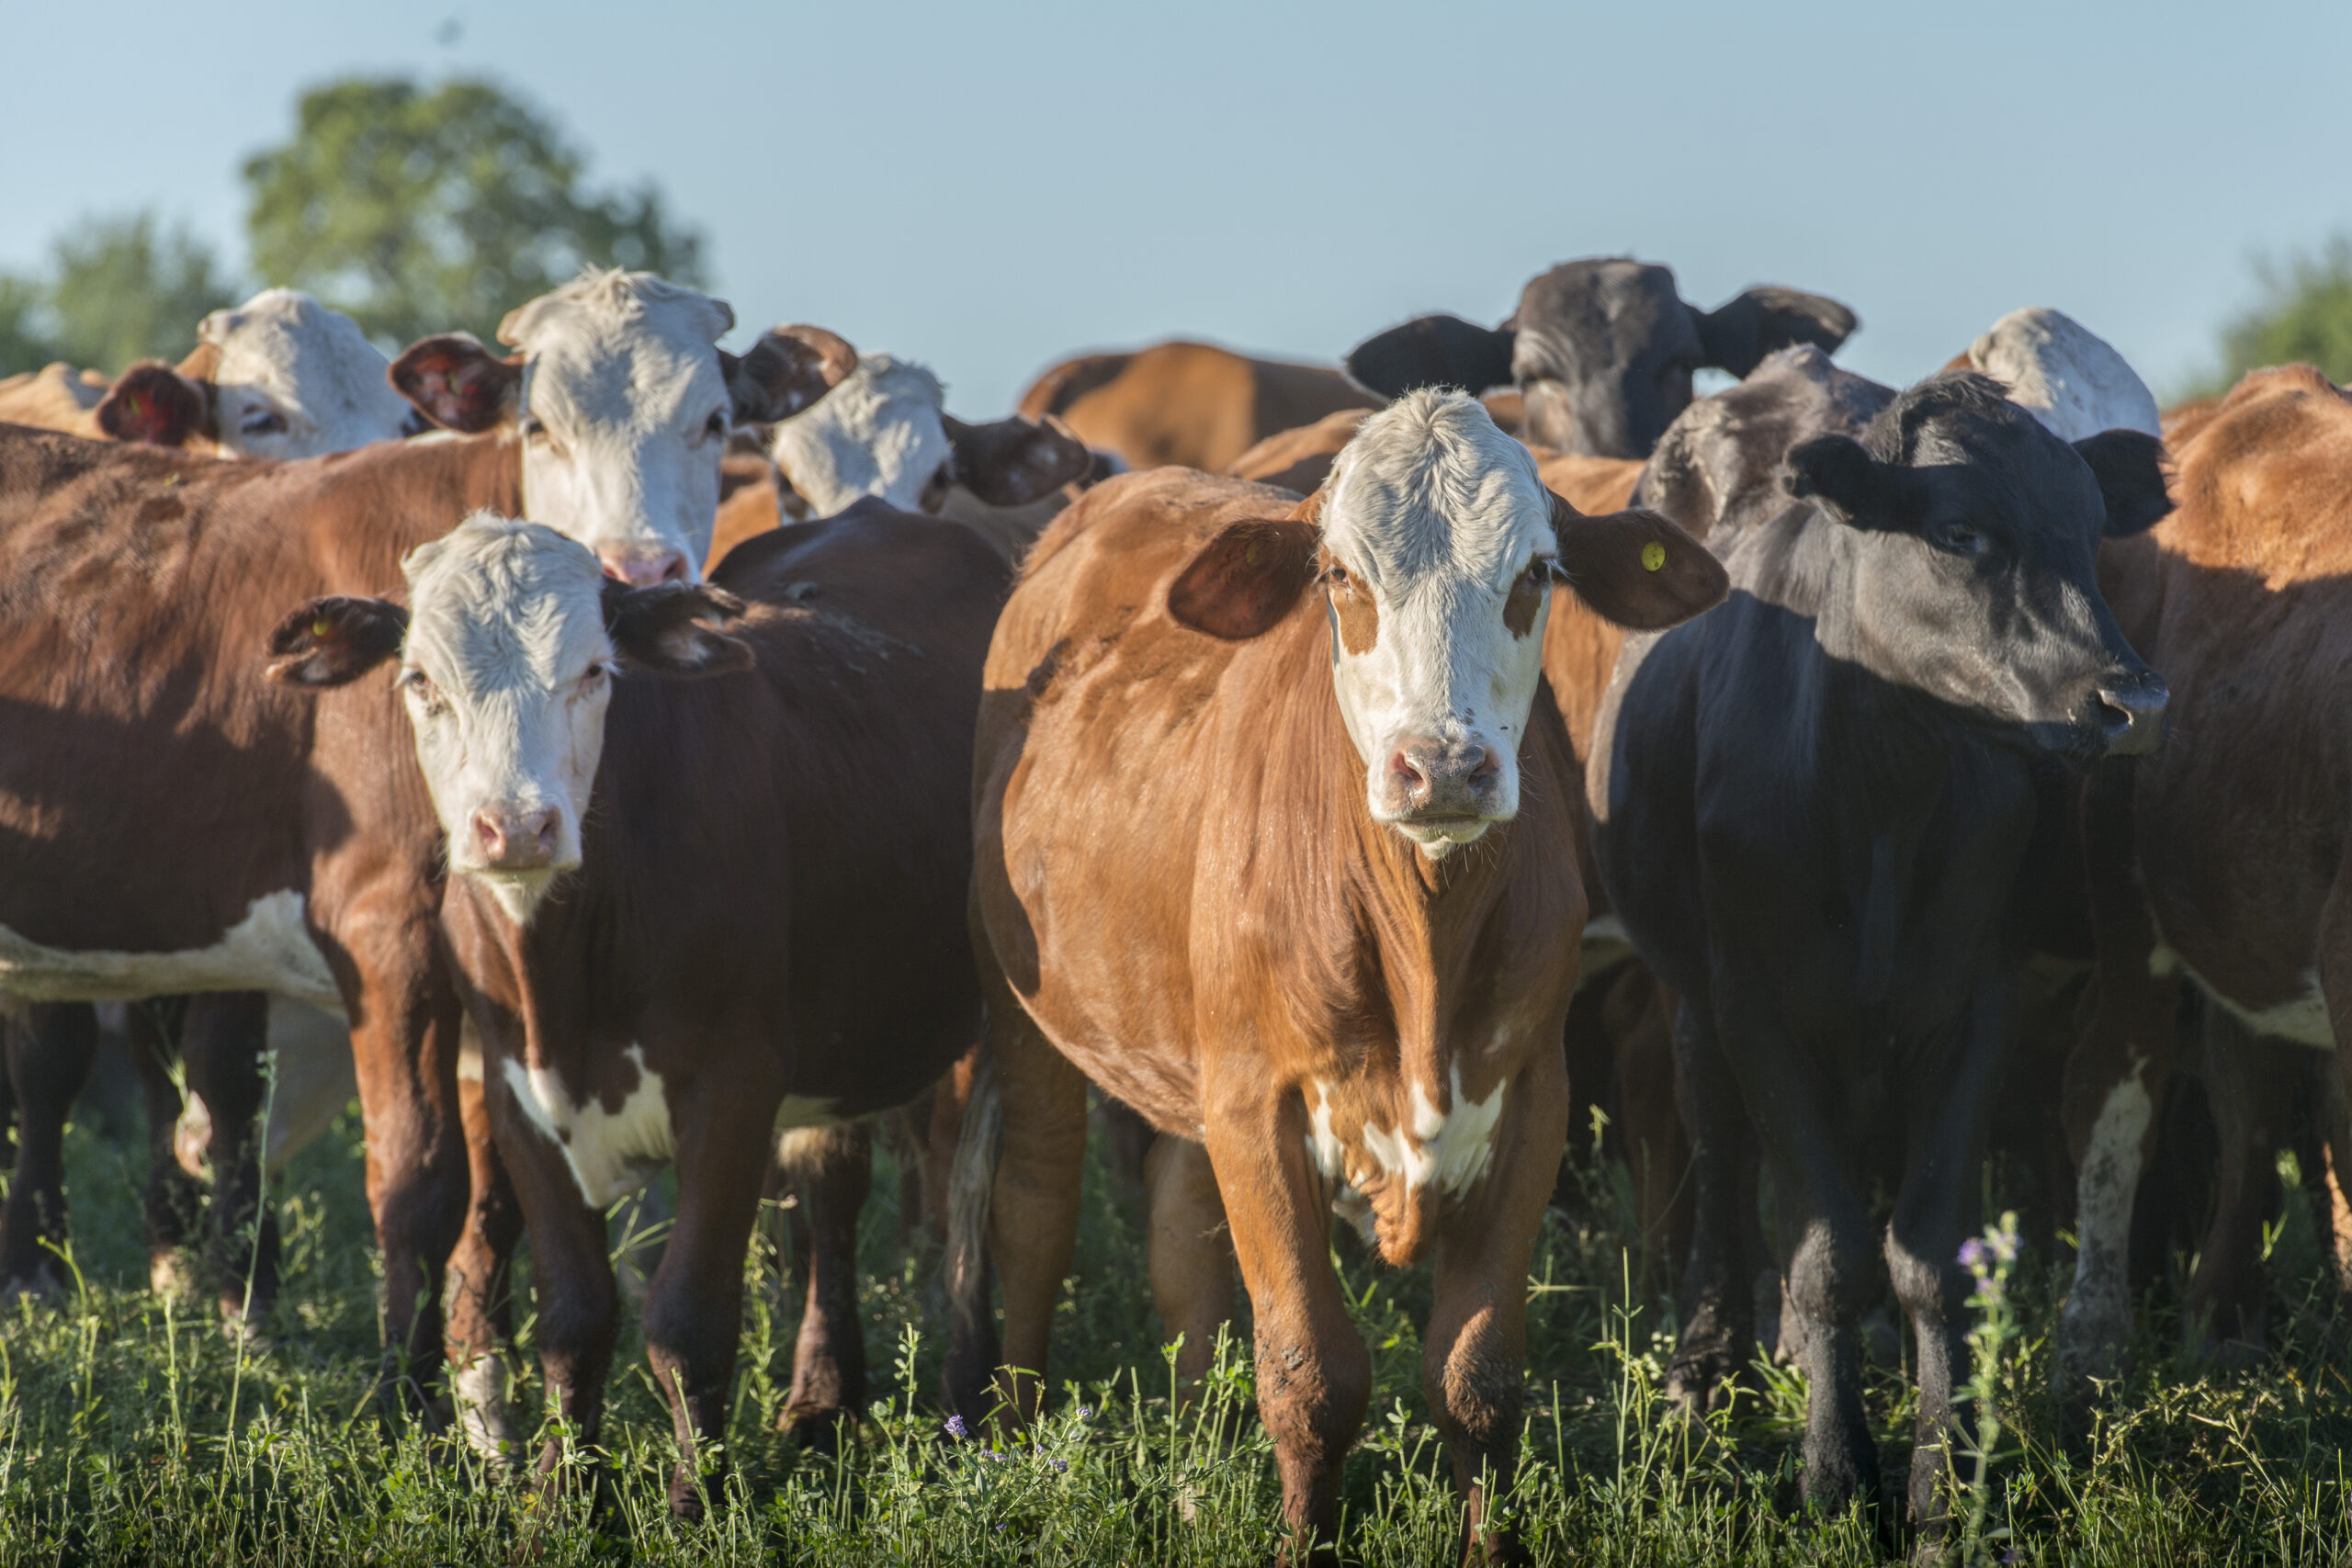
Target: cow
column 1193, row 404
column 2063, row 374
column 1328, row 932
column 55, row 397
column 2216, row 865
column 174, row 827
column 1811, row 810
column 883, row 431
column 1602, row 351
column 707, row 885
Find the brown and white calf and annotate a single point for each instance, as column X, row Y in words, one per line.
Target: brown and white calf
column 1274, row 842
column 690, row 915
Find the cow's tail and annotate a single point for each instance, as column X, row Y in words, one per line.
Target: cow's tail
column 971, row 1183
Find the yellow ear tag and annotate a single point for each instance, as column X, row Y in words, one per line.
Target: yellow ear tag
column 1653, row 556
column 322, row 630
column 1251, row 553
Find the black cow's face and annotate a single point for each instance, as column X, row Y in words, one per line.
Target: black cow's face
column 1973, row 559
column 1604, row 357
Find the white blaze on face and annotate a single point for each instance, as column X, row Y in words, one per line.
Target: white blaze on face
column 507, row 672
column 2065, row 375
column 624, row 416
column 879, row 432
column 294, row 379
column 1437, row 515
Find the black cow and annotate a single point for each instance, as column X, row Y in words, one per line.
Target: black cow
column 1602, row 351
column 1814, row 804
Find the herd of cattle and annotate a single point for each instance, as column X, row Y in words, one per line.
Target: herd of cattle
column 1351, row 772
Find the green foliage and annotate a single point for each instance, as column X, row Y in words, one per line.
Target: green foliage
column 2306, row 314
column 121, row 288
column 422, row 211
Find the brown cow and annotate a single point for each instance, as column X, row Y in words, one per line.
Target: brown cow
column 1188, row 403
column 2219, row 860
column 1279, row 942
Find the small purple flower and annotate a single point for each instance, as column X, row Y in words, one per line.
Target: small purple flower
column 1062, row 1465
column 956, row 1429
column 2003, row 1245
column 997, row 1454
column 1084, row 1413
column 1972, row 1253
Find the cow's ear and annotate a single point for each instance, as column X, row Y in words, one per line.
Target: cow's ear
column 457, row 384
column 1835, row 468
column 333, row 641
column 1635, row 567
column 2130, row 467
column 1246, row 580
column 1740, row 333
column 786, row 370
column 1433, row 351
column 663, row 629
column 155, row 405
column 1012, row 462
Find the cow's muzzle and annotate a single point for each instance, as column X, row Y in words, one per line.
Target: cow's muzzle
column 2130, row 716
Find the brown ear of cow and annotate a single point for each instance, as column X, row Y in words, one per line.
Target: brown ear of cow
column 457, row 383
column 787, row 369
column 1246, row 580
column 660, row 631
column 1635, row 567
column 154, row 405
column 1012, row 462
column 335, row 640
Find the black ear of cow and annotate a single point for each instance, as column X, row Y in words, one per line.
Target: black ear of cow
column 1246, row 580
column 660, row 629
column 1635, row 567
column 1433, row 351
column 152, row 404
column 787, row 369
column 457, row 383
column 1012, row 462
column 1740, row 333
column 1837, row 469
column 335, row 640
column 2130, row 467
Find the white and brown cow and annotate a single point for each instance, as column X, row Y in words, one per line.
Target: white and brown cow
column 1329, row 928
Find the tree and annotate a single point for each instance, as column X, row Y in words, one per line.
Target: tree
column 120, row 289
column 423, row 211
column 2306, row 314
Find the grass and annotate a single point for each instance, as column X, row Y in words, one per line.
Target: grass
column 132, row 1430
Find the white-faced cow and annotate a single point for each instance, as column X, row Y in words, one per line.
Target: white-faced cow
column 1328, row 929
column 691, row 914
column 1812, row 806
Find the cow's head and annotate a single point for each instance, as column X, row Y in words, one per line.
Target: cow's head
column 1437, row 548
column 1972, row 534
column 625, row 402
column 2063, row 374
column 508, row 651
column 1602, row 351
column 884, row 432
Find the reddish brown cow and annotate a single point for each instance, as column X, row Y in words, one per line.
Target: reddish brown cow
column 1188, row 403
column 2221, row 860
column 1276, row 944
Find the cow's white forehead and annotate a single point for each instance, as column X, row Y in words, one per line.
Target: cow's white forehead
column 611, row 347
column 879, row 432
column 2063, row 374
column 1430, row 489
column 311, row 363
column 500, row 604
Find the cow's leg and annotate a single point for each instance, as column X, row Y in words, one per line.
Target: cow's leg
column 941, row 1130
column 694, row 1305
column 1717, row 1302
column 1314, row 1375
column 1639, row 1016
column 1939, row 1206
column 1474, row 1358
column 1191, row 1252
column 173, row 1205
column 481, row 1301
column 223, row 1041
column 1127, row 1142
column 2250, row 1083
column 51, row 1047
column 833, row 1169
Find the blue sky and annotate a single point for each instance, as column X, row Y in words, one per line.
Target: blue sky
column 987, row 189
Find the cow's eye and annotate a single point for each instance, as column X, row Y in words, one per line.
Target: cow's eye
column 1538, row 573
column 417, row 685
column 595, row 676
column 715, row 428
column 1335, row 575
column 1958, row 538
column 262, row 422
column 533, row 430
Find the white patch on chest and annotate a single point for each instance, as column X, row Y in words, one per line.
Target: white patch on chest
column 269, row 949
column 1452, row 1147
column 612, row 1152
column 2300, row 1020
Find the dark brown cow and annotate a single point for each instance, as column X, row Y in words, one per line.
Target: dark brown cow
column 2220, row 861
column 1191, row 405
column 1275, row 944
column 756, row 920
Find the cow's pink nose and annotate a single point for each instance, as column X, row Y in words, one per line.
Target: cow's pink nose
column 642, row 568
column 1437, row 779
column 516, row 841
